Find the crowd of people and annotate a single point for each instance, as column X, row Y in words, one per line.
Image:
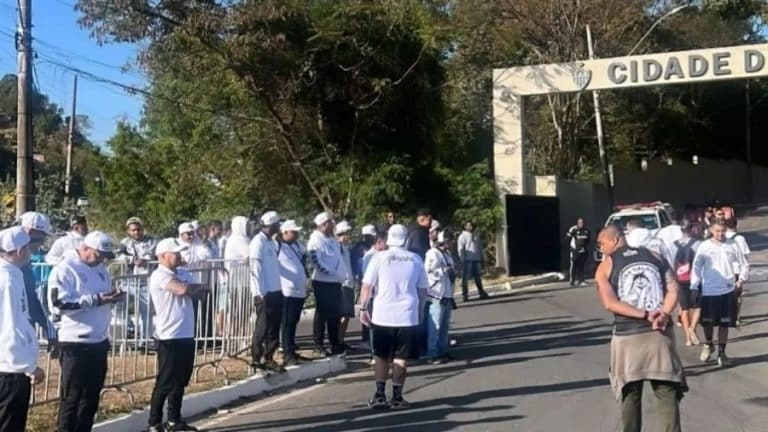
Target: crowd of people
column 698, row 270
column 401, row 278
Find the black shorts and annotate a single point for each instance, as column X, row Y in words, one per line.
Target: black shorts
column 395, row 342
column 684, row 297
column 719, row 310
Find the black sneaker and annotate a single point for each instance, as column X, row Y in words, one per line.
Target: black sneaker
column 290, row 361
column 339, row 349
column 378, row 401
column 258, row 367
column 484, row 296
column 179, row 427
column 156, row 428
column 399, row 403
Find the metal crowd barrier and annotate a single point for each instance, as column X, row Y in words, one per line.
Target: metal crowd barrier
column 223, row 327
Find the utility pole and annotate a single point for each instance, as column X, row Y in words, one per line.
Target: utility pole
column 25, row 195
column 70, row 140
column 750, row 180
column 607, row 177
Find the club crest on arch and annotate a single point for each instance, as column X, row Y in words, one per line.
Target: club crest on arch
column 581, row 76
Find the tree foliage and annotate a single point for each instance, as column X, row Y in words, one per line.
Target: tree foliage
column 360, row 107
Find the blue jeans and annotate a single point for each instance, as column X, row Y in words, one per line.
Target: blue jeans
column 438, row 321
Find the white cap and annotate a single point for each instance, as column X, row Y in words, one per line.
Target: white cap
column 369, row 230
column 101, row 242
column 289, row 225
column 36, row 221
column 397, row 235
column 322, row 218
column 270, row 218
column 195, row 225
column 441, row 237
column 13, row 239
column 169, row 245
column 187, row 227
column 434, row 226
column 343, row 228
column 134, row 221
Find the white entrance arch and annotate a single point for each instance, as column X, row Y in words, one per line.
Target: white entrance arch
column 512, row 85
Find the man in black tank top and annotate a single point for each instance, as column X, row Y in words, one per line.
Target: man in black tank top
column 637, row 286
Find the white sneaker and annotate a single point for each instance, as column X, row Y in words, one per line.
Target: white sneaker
column 706, row 353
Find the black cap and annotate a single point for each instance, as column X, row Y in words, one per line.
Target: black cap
column 423, row 212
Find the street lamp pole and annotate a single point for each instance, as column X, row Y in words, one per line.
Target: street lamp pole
column 605, row 166
column 599, row 127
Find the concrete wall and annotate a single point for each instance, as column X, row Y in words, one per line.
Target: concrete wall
column 686, row 183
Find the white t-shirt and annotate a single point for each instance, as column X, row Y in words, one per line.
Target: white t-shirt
column 174, row 314
column 669, row 235
column 716, row 265
column 265, row 269
column 325, row 254
column 740, row 241
column 69, row 242
column 73, row 289
column 400, row 281
column 197, row 256
column 293, row 277
column 17, row 336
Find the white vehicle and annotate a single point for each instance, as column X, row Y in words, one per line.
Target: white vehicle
column 653, row 216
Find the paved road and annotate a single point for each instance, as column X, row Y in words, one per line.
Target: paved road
column 532, row 361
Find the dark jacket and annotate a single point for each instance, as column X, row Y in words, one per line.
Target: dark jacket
column 418, row 240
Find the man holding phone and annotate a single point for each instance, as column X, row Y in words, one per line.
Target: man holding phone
column 81, row 294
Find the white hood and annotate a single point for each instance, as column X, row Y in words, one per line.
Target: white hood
column 238, row 243
column 639, row 237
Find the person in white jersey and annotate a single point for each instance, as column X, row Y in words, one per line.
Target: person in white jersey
column 719, row 269
column 328, row 274
column 172, row 293
column 293, row 282
column 70, row 241
column 440, row 274
column 267, row 295
column 81, row 294
column 731, row 233
column 18, row 356
column 401, row 290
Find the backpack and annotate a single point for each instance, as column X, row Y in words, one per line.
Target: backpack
column 684, row 261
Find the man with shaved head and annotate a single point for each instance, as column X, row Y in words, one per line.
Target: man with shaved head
column 637, row 286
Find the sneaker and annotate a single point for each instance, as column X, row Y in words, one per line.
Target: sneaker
column 723, row 360
column 320, row 353
column 465, row 299
column 378, row 401
column 484, row 296
column 399, row 403
column 179, row 427
column 290, row 361
column 273, row 366
column 339, row 349
column 372, row 361
column 695, row 339
column 257, row 367
column 706, row 353
column 156, row 428
column 437, row 361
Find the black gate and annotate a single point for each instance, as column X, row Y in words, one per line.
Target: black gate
column 533, row 234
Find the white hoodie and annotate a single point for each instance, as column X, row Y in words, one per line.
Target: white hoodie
column 238, row 243
column 70, row 241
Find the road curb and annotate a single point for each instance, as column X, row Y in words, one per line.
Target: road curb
column 199, row 403
column 520, row 283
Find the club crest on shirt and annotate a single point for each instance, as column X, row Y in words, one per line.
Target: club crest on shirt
column 640, row 285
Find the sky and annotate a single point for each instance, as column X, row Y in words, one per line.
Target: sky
column 57, row 37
